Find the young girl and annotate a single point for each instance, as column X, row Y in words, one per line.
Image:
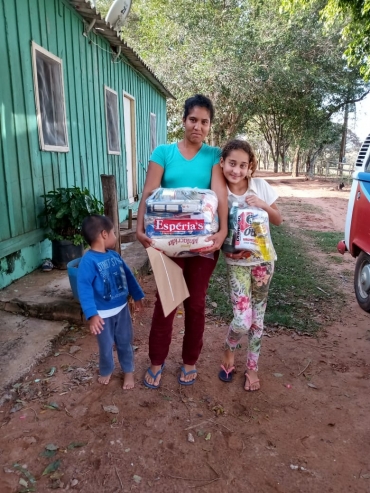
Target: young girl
column 249, row 278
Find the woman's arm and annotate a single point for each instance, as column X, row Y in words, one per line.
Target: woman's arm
column 218, row 185
column 273, row 212
column 152, row 181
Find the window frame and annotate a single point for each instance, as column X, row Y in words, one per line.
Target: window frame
column 113, row 152
column 132, row 100
column 35, row 48
column 155, row 131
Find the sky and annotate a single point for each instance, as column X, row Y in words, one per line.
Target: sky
column 361, row 124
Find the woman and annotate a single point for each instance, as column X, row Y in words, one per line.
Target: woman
column 188, row 163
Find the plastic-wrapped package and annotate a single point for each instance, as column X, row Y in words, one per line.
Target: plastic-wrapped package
column 181, row 213
column 181, row 246
column 249, row 230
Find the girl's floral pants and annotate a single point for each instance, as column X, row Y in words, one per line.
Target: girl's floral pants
column 248, row 291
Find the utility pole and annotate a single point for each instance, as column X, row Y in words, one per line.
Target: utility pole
column 342, row 152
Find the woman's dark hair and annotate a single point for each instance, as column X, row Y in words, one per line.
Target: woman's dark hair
column 235, row 145
column 93, row 225
column 202, row 102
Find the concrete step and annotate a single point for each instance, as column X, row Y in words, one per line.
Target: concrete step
column 48, row 295
column 23, row 342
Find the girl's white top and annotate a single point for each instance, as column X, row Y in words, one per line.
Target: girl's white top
column 265, row 192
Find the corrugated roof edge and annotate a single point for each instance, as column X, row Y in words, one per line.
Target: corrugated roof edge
column 89, row 13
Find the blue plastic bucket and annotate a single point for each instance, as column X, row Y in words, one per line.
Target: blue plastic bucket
column 72, row 267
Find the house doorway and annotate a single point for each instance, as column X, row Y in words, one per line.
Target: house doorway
column 130, row 144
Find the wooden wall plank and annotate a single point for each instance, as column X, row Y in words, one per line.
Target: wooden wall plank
column 87, row 67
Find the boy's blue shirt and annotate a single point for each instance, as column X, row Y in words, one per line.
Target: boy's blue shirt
column 104, row 282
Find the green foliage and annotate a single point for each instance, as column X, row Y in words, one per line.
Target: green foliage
column 65, row 209
column 355, row 18
column 267, row 70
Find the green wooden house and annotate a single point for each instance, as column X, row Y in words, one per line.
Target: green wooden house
column 76, row 102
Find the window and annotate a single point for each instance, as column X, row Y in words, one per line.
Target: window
column 367, row 166
column 153, row 132
column 49, row 97
column 111, row 115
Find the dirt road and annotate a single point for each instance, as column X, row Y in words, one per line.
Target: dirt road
column 308, row 430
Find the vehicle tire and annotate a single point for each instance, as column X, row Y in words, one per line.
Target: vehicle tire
column 362, row 281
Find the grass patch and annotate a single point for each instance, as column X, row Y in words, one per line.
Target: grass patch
column 301, row 207
column 326, row 240
column 336, row 259
column 294, row 298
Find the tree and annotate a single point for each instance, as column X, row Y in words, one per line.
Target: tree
column 277, row 70
column 354, row 16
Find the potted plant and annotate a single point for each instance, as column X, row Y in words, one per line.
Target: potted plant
column 64, row 210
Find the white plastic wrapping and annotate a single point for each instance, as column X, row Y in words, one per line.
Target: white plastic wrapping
column 249, row 230
column 178, row 220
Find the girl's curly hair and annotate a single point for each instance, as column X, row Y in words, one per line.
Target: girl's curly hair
column 236, row 144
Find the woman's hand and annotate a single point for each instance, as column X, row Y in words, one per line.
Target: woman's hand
column 218, row 239
column 144, row 239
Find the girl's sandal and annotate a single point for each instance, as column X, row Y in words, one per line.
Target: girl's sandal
column 250, row 383
column 226, row 375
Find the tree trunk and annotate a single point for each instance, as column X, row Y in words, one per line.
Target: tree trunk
column 308, row 163
column 282, row 155
column 276, row 163
column 295, row 165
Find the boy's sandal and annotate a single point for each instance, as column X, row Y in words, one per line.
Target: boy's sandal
column 250, row 383
column 154, row 376
column 186, row 373
column 226, row 375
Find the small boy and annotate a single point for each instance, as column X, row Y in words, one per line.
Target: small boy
column 103, row 282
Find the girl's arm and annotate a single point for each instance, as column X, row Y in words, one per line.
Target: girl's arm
column 218, row 185
column 273, row 212
column 152, row 181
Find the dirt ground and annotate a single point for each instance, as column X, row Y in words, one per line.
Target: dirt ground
column 307, row 430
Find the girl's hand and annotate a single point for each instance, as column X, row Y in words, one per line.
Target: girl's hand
column 254, row 201
column 218, row 239
column 144, row 239
column 96, row 324
column 139, row 305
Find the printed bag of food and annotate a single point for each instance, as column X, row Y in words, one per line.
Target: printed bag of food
column 178, row 220
column 249, row 230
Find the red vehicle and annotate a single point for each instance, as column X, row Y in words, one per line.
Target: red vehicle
column 357, row 229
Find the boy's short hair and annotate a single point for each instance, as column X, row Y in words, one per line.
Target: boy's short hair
column 93, row 225
column 200, row 101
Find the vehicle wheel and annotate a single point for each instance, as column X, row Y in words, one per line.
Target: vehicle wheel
column 362, row 281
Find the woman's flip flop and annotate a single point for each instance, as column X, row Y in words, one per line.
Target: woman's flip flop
column 154, row 376
column 186, row 373
column 226, row 375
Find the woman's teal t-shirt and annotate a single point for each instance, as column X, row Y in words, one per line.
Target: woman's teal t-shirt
column 181, row 172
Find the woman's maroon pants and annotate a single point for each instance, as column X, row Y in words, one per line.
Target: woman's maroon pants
column 197, row 273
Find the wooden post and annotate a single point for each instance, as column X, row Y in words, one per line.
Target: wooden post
column 111, row 205
column 130, row 219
